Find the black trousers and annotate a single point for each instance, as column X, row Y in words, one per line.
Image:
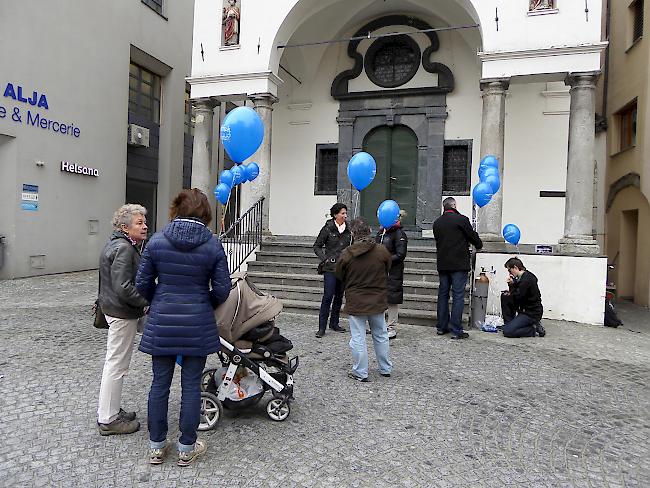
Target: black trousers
column 515, row 324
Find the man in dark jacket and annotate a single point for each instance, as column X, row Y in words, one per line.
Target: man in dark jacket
column 521, row 305
column 454, row 234
column 396, row 243
column 363, row 268
column 123, row 306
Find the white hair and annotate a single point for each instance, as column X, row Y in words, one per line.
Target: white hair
column 125, row 214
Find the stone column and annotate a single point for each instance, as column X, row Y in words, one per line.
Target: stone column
column 202, row 148
column 579, row 204
column 492, row 141
column 261, row 186
column 345, row 192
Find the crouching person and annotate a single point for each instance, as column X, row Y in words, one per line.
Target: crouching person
column 363, row 268
column 521, row 305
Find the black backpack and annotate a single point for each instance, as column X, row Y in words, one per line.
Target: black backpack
column 611, row 319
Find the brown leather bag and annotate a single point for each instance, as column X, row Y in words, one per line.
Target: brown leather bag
column 99, row 320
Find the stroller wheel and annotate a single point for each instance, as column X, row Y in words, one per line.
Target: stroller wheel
column 278, row 409
column 211, row 411
column 207, row 380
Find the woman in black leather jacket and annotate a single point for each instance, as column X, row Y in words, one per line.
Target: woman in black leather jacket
column 332, row 239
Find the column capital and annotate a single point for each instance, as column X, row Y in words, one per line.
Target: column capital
column 582, row 79
column 494, row 85
column 345, row 121
column 263, row 100
column 205, row 104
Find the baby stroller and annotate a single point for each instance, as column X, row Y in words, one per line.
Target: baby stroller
column 253, row 356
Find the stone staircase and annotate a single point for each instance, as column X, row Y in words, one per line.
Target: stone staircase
column 285, row 266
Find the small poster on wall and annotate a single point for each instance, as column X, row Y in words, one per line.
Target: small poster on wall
column 29, row 198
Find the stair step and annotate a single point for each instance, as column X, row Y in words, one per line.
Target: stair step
column 406, row 316
column 310, row 257
column 306, row 248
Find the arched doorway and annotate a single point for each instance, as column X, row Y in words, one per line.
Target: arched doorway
column 395, row 150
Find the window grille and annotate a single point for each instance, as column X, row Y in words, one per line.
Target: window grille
column 144, row 93
column 327, row 163
column 637, row 26
column 456, row 168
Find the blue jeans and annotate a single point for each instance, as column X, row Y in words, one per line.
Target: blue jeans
column 360, row 349
column 332, row 296
column 520, row 326
column 456, row 281
column 163, row 372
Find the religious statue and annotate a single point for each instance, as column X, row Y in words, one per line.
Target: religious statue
column 541, row 5
column 230, row 23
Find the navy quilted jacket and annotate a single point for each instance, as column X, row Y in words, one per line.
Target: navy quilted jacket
column 193, row 278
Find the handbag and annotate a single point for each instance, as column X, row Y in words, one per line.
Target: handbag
column 99, row 320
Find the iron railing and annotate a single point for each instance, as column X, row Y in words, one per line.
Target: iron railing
column 243, row 236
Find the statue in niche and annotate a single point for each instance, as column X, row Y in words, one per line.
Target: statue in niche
column 541, row 5
column 230, row 22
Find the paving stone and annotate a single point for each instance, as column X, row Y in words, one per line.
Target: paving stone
column 569, row 410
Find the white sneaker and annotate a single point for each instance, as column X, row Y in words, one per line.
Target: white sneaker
column 392, row 333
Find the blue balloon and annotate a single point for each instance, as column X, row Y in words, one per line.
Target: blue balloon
column 388, row 213
column 485, row 171
column 361, row 170
column 493, row 181
column 238, row 174
column 222, row 192
column 482, row 194
column 242, row 133
column 252, row 171
column 490, row 160
column 244, row 173
column 511, row 234
column 227, row 177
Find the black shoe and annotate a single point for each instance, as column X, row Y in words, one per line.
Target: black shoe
column 385, row 375
column 338, row 328
column 128, row 416
column 442, row 332
column 539, row 328
column 358, row 378
column 320, row 334
column 463, row 335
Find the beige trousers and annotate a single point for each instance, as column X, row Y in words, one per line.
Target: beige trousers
column 119, row 348
column 392, row 315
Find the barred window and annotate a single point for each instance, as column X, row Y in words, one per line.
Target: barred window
column 156, row 5
column 456, row 168
column 144, row 93
column 637, row 19
column 327, row 163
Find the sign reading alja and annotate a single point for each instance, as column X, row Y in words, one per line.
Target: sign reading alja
column 78, row 169
column 26, row 116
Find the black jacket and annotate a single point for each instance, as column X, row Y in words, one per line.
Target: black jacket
column 454, row 234
column 396, row 243
column 330, row 243
column 118, row 266
column 527, row 297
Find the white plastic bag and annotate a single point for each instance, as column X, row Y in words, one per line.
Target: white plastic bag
column 245, row 384
column 493, row 320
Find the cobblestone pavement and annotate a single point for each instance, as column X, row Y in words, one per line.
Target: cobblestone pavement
column 571, row 409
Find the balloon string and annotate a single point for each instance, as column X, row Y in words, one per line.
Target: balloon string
column 356, row 205
column 381, row 241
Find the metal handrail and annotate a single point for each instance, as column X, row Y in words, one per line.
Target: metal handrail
column 243, row 236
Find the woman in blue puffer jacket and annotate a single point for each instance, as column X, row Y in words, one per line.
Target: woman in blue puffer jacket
column 193, row 279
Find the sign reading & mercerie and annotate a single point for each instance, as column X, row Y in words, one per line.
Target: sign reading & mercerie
column 29, row 116
column 69, row 167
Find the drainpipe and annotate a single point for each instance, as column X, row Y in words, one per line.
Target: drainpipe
column 601, row 123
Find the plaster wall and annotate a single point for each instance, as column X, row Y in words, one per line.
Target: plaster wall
column 564, row 281
column 83, row 68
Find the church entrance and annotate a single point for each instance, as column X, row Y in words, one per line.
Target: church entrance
column 395, row 150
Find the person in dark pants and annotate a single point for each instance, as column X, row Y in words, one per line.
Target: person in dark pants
column 396, row 243
column 454, row 234
column 184, row 275
column 521, row 305
column 332, row 239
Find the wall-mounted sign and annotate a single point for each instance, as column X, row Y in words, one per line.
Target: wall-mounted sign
column 28, row 116
column 69, row 167
column 29, row 198
column 543, row 249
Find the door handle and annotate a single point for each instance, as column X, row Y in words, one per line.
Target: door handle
column 393, row 178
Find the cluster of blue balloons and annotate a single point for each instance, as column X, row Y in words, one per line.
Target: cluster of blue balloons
column 490, row 181
column 234, row 176
column 242, row 133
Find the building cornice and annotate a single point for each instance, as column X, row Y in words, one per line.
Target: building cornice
column 235, row 77
column 541, row 53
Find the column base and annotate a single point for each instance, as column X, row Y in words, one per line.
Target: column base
column 585, row 245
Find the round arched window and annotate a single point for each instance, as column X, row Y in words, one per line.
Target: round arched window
column 392, row 61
